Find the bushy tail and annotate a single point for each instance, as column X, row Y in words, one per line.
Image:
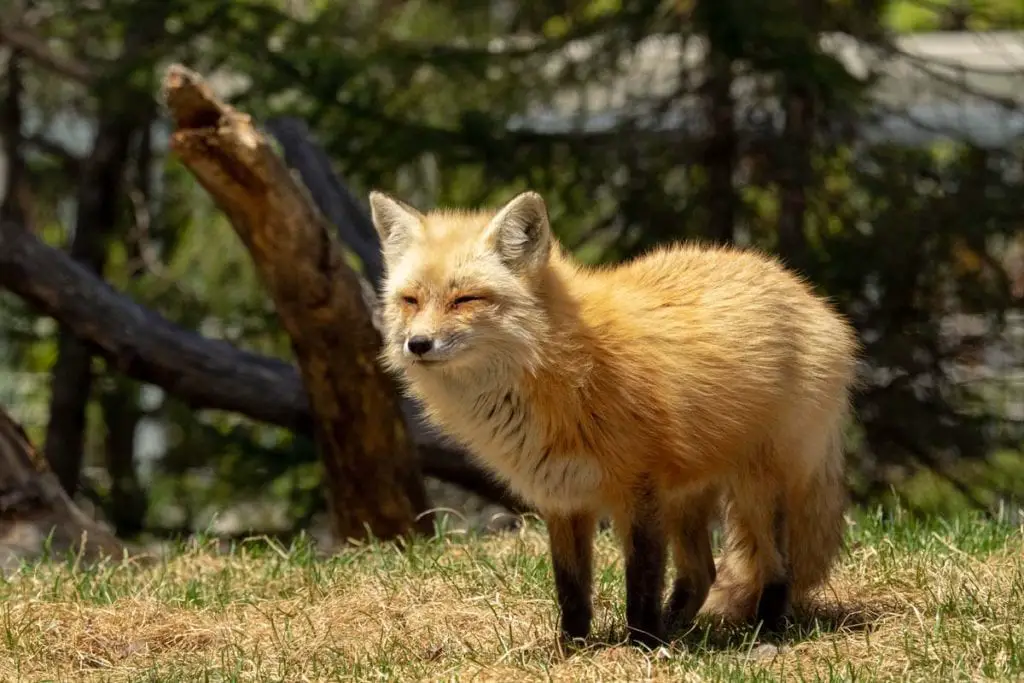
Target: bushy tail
column 815, row 519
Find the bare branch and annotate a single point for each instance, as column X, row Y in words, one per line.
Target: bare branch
column 206, row 373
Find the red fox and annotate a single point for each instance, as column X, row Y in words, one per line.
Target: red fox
column 651, row 392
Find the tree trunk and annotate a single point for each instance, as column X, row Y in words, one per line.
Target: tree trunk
column 797, row 146
column 796, row 149
column 719, row 155
column 121, row 416
column 35, row 512
column 374, row 478
column 123, row 110
column 98, row 201
column 11, row 117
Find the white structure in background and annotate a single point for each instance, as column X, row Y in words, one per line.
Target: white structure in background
column 945, row 84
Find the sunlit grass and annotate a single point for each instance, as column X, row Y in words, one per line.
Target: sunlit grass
column 912, row 600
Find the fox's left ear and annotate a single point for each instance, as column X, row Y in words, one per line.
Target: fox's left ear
column 520, row 232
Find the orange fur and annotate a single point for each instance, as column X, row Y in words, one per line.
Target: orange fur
column 694, row 373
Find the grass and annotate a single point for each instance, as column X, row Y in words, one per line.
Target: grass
column 912, row 600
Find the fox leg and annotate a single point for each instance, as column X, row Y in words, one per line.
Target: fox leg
column 571, row 537
column 754, row 578
column 645, row 550
column 778, row 587
column 691, row 552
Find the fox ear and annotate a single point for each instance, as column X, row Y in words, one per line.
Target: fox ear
column 394, row 220
column 520, row 231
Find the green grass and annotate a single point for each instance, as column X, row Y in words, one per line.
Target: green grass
column 912, row 600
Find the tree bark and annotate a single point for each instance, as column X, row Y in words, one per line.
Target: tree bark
column 330, row 195
column 98, row 200
column 11, row 117
column 205, row 373
column 121, row 417
column 796, row 172
column 369, row 459
column 35, row 511
column 719, row 154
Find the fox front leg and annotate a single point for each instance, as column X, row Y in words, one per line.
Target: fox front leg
column 646, row 551
column 571, row 537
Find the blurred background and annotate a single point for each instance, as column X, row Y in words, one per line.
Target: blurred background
column 877, row 146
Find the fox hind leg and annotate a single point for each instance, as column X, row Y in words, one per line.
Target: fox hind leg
column 777, row 588
column 753, row 581
column 687, row 520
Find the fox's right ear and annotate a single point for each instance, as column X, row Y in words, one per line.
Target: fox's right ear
column 394, row 220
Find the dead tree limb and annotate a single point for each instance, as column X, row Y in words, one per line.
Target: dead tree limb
column 35, row 511
column 140, row 343
column 374, row 479
column 356, row 230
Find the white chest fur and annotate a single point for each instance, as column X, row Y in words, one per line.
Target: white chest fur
column 502, row 430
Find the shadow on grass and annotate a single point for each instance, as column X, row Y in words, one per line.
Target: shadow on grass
column 806, row 624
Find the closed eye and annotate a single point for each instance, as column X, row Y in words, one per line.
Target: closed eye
column 466, row 299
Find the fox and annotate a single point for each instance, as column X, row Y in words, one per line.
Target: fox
column 691, row 384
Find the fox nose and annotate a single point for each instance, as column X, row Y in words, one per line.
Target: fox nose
column 419, row 344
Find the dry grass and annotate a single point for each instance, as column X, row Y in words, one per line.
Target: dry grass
column 912, row 601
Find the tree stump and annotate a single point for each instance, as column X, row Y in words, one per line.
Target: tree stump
column 373, row 474
column 35, row 512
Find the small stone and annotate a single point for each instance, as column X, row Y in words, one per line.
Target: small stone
column 765, row 651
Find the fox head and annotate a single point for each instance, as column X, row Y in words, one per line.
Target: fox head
column 462, row 288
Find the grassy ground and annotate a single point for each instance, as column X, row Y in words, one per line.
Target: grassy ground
column 912, row 601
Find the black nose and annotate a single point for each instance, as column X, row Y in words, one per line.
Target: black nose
column 419, row 344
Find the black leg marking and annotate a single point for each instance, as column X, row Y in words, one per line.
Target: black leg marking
column 694, row 562
column 772, row 605
column 687, row 599
column 645, row 574
column 571, row 557
column 774, row 601
column 573, row 602
column 682, row 593
column 781, row 535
